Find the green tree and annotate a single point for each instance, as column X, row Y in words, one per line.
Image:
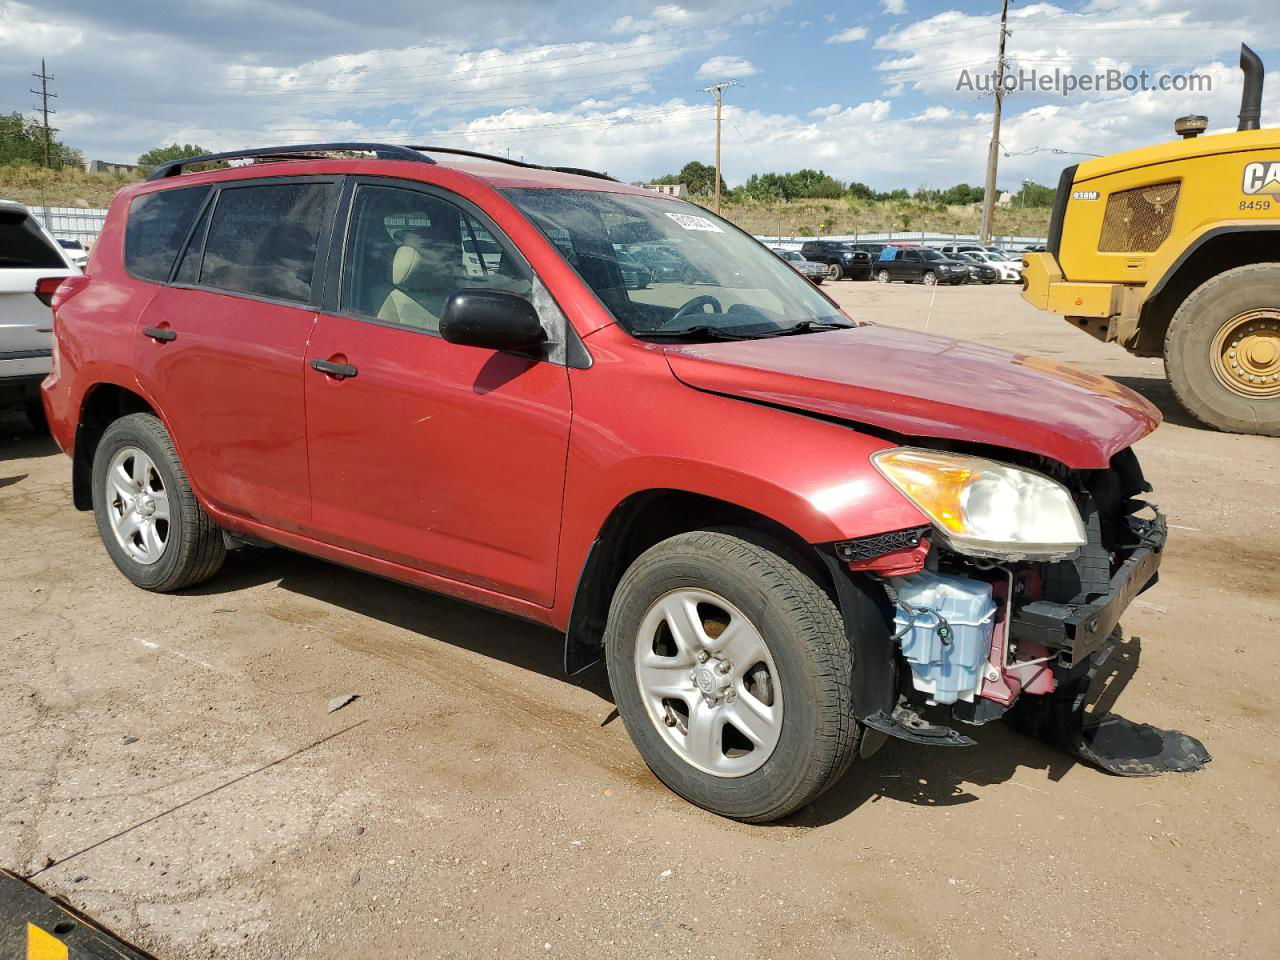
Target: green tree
column 175, row 151
column 1034, row 195
column 22, row 141
column 699, row 177
column 860, row 191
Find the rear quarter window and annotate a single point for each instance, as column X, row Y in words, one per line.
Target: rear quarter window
column 23, row 246
column 157, row 226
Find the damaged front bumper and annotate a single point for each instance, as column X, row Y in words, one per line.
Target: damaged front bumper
column 1077, row 630
column 1047, row 627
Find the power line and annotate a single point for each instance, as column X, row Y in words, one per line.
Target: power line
column 993, row 151
column 43, row 107
column 718, row 89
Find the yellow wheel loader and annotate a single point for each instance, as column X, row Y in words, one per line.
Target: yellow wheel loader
column 1174, row 251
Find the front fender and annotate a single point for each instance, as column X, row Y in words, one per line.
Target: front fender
column 636, row 428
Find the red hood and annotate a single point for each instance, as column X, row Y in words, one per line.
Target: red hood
column 926, row 386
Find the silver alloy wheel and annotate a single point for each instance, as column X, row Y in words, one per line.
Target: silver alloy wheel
column 137, row 505
column 883, row 276
column 709, row 683
column 930, row 278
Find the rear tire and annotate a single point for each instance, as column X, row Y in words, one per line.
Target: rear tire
column 136, row 459
column 740, row 590
column 1198, row 346
column 883, row 276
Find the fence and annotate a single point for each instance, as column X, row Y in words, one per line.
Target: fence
column 924, row 239
column 78, row 222
column 86, row 224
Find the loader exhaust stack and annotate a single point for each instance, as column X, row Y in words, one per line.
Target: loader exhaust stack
column 1251, row 98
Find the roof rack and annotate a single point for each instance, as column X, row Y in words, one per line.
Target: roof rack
column 383, row 151
column 578, row 171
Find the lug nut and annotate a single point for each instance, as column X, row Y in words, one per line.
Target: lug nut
column 730, row 695
column 702, row 656
column 723, row 667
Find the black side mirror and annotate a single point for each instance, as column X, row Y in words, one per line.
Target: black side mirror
column 493, row 319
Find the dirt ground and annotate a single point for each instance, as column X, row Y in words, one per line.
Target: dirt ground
column 474, row 802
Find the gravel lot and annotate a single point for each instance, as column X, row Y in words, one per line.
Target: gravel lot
column 473, row 802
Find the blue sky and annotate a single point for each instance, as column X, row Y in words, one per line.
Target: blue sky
column 865, row 91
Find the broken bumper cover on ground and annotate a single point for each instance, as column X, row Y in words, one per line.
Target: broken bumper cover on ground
column 1080, row 629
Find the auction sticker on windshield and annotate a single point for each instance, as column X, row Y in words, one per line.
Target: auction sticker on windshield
column 691, row 222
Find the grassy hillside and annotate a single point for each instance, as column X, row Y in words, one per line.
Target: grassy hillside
column 847, row 216
column 60, row 188
column 74, row 188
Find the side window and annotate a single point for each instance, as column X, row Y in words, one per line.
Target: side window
column 263, row 238
column 157, row 225
column 911, row 255
column 409, row 252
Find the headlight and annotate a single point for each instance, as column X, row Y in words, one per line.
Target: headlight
column 984, row 508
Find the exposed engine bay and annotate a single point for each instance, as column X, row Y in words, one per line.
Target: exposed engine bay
column 984, row 637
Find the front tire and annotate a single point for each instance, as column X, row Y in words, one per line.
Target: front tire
column 1222, row 351
column 930, row 278
column 153, row 527
column 731, row 671
column 834, row 271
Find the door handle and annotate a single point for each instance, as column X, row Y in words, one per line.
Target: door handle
column 160, row 334
column 339, row 371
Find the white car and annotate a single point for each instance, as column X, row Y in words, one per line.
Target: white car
column 27, row 254
column 1010, row 270
column 77, row 252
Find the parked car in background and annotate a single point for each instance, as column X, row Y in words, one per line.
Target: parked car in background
column 841, row 260
column 817, row 272
column 919, row 265
column 1010, row 270
column 783, row 531
column 31, row 263
column 667, row 264
column 635, row 275
column 979, row 270
column 870, row 248
column 77, row 252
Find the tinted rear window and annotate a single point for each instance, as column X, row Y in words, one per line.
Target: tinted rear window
column 263, row 239
column 158, row 224
column 23, row 246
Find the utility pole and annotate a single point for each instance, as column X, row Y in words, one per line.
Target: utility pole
column 718, row 89
column 43, row 108
column 993, row 152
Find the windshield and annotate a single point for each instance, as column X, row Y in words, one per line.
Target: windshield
column 711, row 281
column 932, row 255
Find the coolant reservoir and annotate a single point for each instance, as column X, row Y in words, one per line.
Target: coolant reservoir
column 948, row 623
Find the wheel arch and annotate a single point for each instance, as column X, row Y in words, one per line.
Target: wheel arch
column 102, row 405
column 1213, row 252
column 642, row 520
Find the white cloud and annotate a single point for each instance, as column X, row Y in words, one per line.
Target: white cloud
column 830, row 110
column 851, row 35
column 895, row 8
column 667, row 15
column 726, row 66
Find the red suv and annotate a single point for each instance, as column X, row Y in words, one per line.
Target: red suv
column 785, row 531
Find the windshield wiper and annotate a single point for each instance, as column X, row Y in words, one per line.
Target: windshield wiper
column 811, row 326
column 700, row 331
